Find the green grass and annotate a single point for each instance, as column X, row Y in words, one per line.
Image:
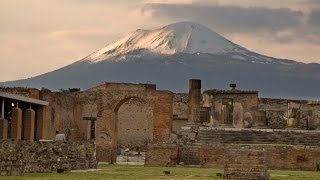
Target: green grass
column 140, row 173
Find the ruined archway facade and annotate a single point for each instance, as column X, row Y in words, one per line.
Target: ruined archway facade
column 105, row 102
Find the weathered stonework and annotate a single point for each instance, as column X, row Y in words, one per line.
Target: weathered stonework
column 231, row 108
column 180, row 111
column 246, row 164
column 125, row 115
column 163, row 155
column 10, row 168
column 48, row 156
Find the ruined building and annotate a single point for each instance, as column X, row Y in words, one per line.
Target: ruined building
column 194, row 128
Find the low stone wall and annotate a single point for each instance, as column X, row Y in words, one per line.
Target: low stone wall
column 276, row 119
column 11, row 168
column 279, row 157
column 256, row 136
column 246, row 164
column 161, row 155
column 48, row 156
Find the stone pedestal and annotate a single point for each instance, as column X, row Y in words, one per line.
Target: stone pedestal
column 16, row 124
column 3, row 129
column 29, row 122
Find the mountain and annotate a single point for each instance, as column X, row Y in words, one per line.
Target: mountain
column 171, row 55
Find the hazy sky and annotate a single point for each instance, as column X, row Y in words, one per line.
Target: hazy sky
column 37, row 36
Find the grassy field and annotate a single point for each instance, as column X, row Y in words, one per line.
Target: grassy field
column 140, row 173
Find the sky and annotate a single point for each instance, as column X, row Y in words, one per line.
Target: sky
column 38, row 36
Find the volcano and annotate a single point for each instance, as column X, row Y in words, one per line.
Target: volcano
column 171, row 55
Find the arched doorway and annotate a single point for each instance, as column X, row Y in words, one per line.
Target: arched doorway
column 134, row 127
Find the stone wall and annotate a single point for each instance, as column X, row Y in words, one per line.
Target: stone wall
column 107, row 106
column 180, row 111
column 246, row 164
column 11, row 168
column 244, row 107
column 60, row 113
column 276, row 119
column 27, row 92
column 162, row 155
column 135, row 125
column 257, row 136
column 284, row 157
column 125, row 87
column 284, row 113
column 49, row 156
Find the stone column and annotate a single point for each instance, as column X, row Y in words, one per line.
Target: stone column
column 28, row 128
column 3, row 123
column 3, row 129
column 2, row 109
column 16, row 123
column 42, row 122
column 194, row 101
column 293, row 116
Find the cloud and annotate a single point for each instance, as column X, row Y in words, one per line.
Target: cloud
column 230, row 18
column 37, row 36
column 282, row 25
column 279, row 32
column 314, row 18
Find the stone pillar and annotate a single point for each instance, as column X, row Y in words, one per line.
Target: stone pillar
column 42, row 122
column 3, row 129
column 293, row 115
column 194, row 101
column 28, row 128
column 16, row 123
column 2, row 109
column 3, row 123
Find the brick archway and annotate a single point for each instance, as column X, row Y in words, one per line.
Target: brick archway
column 134, row 124
column 106, row 132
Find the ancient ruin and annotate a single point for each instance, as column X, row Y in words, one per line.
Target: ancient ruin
column 166, row 128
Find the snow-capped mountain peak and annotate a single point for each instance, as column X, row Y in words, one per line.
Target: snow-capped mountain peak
column 181, row 37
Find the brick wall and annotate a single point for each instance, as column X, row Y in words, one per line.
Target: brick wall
column 162, row 155
column 257, row 136
column 279, row 156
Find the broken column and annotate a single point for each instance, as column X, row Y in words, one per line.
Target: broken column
column 41, row 122
column 16, row 123
column 194, row 101
column 29, row 120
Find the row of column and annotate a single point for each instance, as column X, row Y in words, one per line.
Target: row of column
column 28, row 126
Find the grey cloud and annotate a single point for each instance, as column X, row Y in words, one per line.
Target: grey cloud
column 282, row 25
column 314, row 18
column 231, row 18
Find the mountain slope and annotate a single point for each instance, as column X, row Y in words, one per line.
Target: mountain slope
column 171, row 55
